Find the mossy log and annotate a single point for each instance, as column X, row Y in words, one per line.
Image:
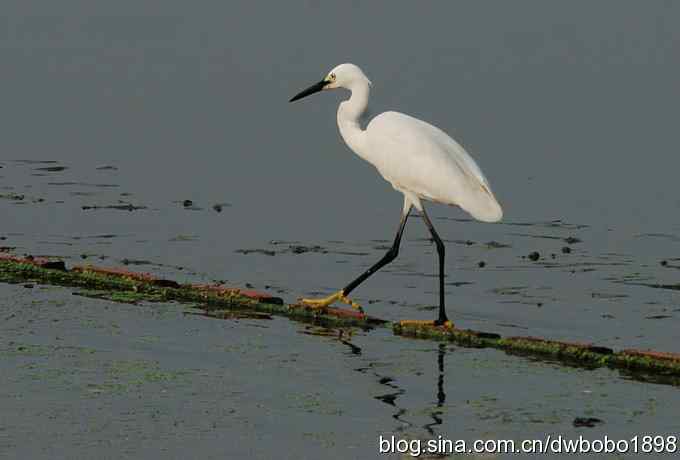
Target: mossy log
column 144, row 286
column 575, row 353
column 126, row 286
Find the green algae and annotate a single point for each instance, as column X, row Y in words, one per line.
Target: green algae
column 576, row 354
column 140, row 372
column 131, row 289
column 17, row 272
column 466, row 338
column 130, row 297
column 24, row 349
column 639, row 366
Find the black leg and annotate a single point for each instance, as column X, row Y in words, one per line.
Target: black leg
column 386, row 259
column 440, row 250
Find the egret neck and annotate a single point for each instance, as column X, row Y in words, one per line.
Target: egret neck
column 349, row 114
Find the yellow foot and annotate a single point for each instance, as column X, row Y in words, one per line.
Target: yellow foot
column 328, row 301
column 420, row 322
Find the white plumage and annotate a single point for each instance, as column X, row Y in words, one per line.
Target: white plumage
column 418, row 159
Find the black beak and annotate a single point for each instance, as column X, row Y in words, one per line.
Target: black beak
column 315, row 88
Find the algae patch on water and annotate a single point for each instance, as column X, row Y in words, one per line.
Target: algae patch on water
column 121, row 285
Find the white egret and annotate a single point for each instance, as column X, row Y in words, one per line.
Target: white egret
column 418, row 159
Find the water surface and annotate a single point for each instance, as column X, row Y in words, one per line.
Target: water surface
column 115, row 115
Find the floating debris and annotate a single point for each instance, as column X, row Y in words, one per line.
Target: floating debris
column 52, row 168
column 36, row 162
column 105, row 236
column 135, row 262
column 608, row 296
column 218, row 207
column 120, row 207
column 12, row 196
column 509, row 290
column 84, row 184
column 588, row 422
column 277, row 242
column 299, row 249
column 38, row 262
column 496, row 245
column 266, row 252
column 179, row 238
column 458, row 283
column 189, row 205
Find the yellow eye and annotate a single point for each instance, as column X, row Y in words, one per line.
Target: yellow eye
column 332, row 77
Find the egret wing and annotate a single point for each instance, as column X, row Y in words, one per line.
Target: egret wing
column 419, row 158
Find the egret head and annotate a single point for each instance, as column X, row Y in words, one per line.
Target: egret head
column 343, row 76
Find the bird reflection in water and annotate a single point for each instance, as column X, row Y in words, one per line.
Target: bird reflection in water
column 395, row 391
column 441, row 395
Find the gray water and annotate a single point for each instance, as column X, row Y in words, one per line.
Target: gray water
column 570, row 109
